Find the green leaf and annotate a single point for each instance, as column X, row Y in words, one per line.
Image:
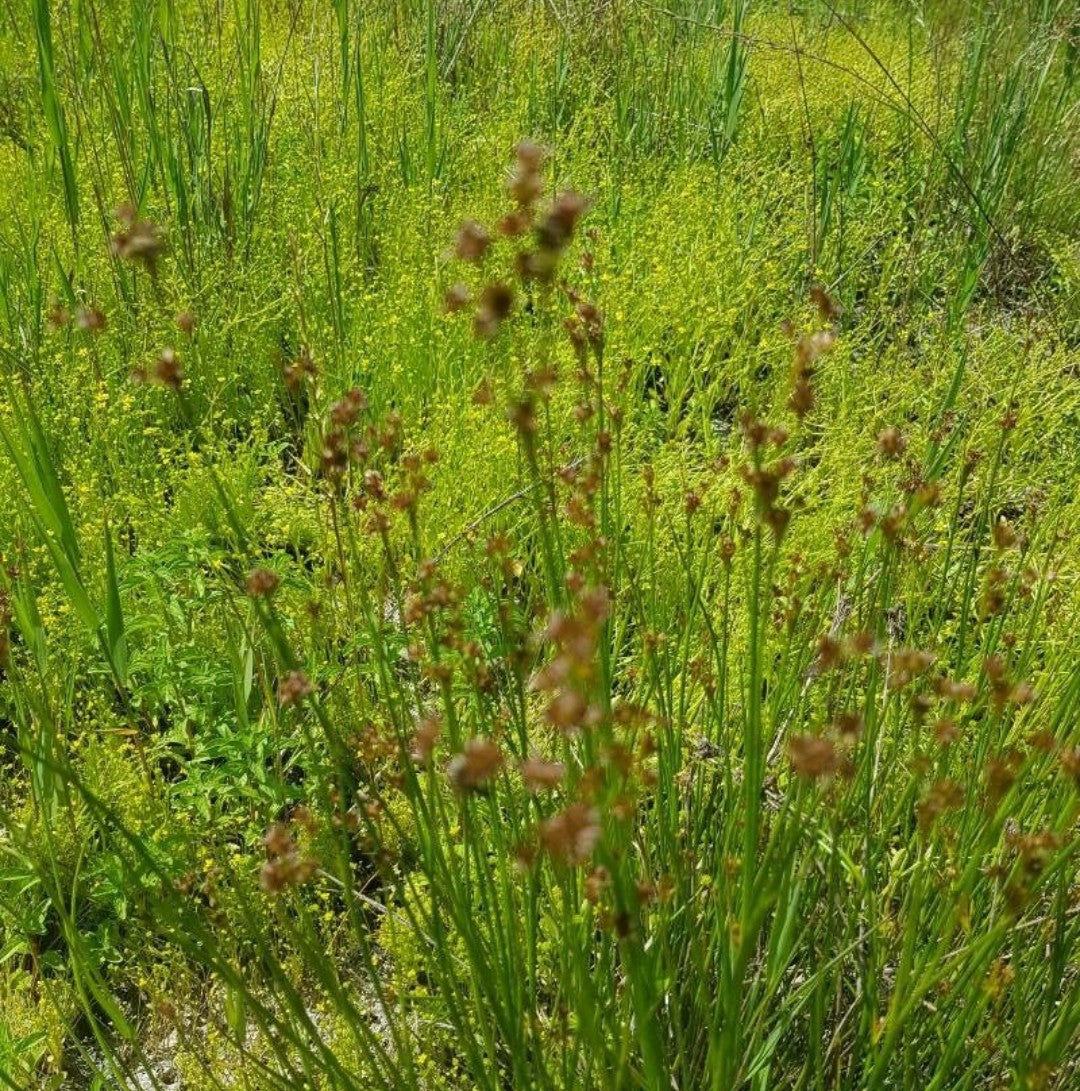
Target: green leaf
column 114, row 615
column 235, row 1012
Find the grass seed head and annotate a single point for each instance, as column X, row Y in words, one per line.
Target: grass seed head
column 476, row 766
column 262, row 582
column 471, row 242
column 813, row 757
column 425, row 737
column 542, row 776
column 137, row 240
column 90, row 319
column 493, row 308
column 294, row 688
column 168, row 371
column 891, row 443
column 570, row 836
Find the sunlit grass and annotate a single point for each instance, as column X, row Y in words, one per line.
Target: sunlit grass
column 588, row 613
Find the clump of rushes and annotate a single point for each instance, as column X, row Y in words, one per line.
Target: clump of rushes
column 540, row 235
column 638, row 781
column 557, row 819
column 809, row 348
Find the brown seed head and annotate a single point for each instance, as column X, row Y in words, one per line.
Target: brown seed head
column 522, row 415
column 261, row 582
column 514, row 224
column 801, row 399
column 596, row 883
column 849, row 725
column 295, row 372
column 285, row 871
column 496, row 302
column 891, row 443
column 58, row 316
column 570, row 836
column 811, row 346
column 944, row 795
column 457, row 298
column 525, row 183
column 345, row 410
column 168, row 371
column 945, row 731
column 566, row 711
column 556, row 229
column 542, row 776
column 1001, row 775
column 1004, row 535
column 294, row 687
column 471, row 242
column 1036, row 849
column 1070, row 763
column 529, row 155
column 138, row 241
column 828, row 307
column 426, row 735
column 813, row 756
column 90, row 319
column 476, row 766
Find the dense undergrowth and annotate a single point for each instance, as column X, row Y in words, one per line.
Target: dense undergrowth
column 539, row 545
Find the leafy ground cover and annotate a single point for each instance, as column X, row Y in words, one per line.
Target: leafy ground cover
column 539, row 544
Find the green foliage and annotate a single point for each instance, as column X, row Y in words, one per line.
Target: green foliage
column 666, row 682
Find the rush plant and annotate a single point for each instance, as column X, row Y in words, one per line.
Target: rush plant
column 589, row 611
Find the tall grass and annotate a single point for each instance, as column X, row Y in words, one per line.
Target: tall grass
column 52, row 109
column 458, row 632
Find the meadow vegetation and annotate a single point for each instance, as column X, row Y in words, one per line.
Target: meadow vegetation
column 539, row 544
